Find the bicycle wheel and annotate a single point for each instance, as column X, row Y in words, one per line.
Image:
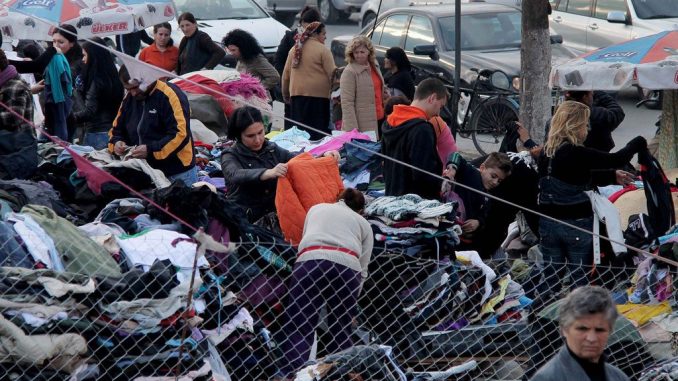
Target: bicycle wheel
column 489, row 122
column 466, row 102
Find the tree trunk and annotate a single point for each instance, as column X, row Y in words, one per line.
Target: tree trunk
column 668, row 135
column 535, row 66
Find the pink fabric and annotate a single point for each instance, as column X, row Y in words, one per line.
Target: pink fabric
column 446, row 144
column 247, row 86
column 94, row 175
column 337, row 142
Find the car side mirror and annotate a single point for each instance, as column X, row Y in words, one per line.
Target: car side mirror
column 500, row 80
column 427, row 50
column 616, row 17
column 556, row 39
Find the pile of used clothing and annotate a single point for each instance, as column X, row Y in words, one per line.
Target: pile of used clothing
column 665, row 370
column 110, row 299
column 95, row 281
column 414, row 225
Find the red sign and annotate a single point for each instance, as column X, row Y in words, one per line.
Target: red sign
column 110, row 28
column 169, row 11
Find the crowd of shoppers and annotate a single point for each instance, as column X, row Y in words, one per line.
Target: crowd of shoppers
column 87, row 98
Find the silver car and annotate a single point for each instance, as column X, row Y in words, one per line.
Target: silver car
column 334, row 10
column 370, row 8
column 588, row 25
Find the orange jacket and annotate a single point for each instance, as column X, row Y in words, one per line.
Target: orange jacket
column 165, row 60
column 308, row 182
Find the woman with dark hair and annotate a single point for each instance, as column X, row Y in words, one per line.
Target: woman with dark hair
column 162, row 52
column 66, row 39
column 307, row 80
column 253, row 164
column 307, row 15
column 197, row 51
column 101, row 91
column 332, row 264
column 61, row 77
column 399, row 79
column 245, row 48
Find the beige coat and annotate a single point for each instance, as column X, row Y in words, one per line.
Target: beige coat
column 313, row 76
column 357, row 98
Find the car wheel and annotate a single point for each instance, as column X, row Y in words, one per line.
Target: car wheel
column 328, row 12
column 368, row 19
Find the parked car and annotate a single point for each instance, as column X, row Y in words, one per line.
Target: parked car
column 284, row 11
column 491, row 38
column 588, row 25
column 218, row 17
column 331, row 11
column 335, row 10
column 370, row 8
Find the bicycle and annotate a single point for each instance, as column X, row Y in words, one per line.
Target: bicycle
column 485, row 110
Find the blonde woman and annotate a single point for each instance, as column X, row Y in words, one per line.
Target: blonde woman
column 566, row 170
column 362, row 88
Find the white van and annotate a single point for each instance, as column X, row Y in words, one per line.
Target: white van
column 587, row 25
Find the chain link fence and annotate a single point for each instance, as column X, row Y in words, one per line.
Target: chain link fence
column 94, row 302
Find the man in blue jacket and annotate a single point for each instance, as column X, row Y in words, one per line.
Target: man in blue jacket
column 153, row 123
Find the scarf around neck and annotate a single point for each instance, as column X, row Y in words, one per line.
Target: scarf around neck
column 300, row 38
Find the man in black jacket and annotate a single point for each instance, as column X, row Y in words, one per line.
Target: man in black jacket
column 153, row 123
column 407, row 136
column 606, row 116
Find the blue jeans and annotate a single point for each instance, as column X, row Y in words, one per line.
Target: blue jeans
column 188, row 177
column 562, row 244
column 96, row 140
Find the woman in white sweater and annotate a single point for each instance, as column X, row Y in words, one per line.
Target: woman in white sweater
column 333, row 257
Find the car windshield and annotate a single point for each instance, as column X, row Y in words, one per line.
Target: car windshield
column 221, row 9
column 656, row 9
column 483, row 31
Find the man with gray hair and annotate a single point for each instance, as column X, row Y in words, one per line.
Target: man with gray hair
column 587, row 317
